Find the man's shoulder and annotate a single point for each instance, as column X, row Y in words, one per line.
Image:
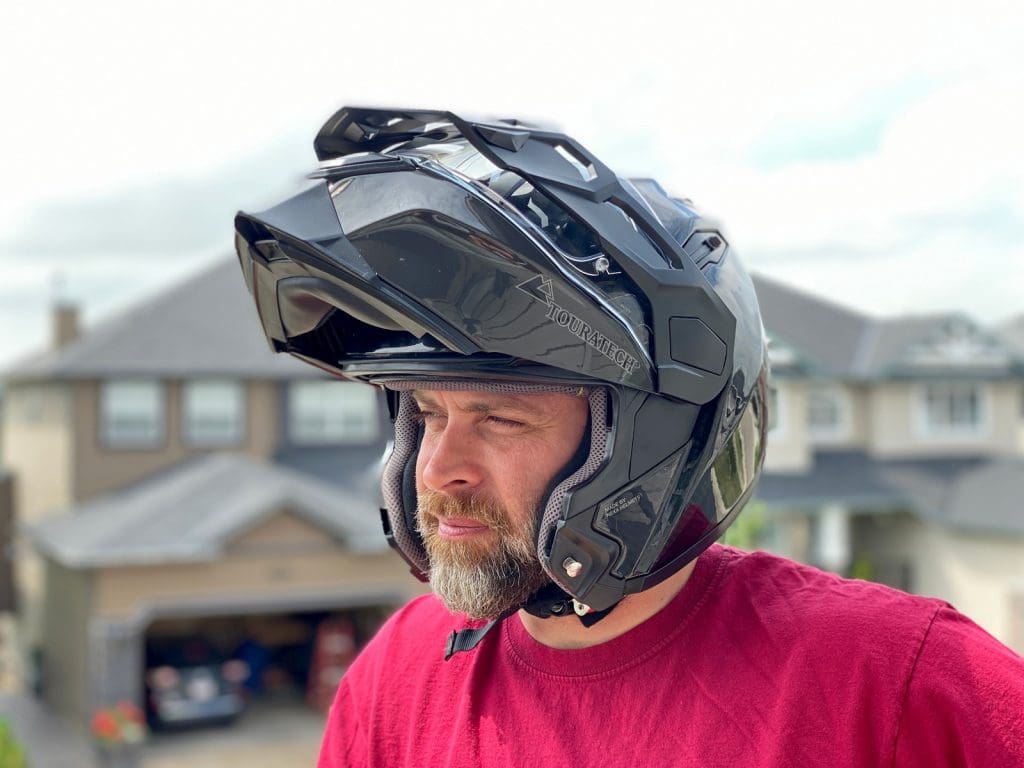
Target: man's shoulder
column 805, row 598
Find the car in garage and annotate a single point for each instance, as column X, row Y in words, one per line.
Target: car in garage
column 189, row 682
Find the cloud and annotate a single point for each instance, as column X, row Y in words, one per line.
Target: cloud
column 186, row 214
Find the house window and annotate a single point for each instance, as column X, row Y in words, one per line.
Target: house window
column 776, row 415
column 954, row 408
column 773, row 408
column 214, row 412
column 331, row 412
column 132, row 414
column 826, row 412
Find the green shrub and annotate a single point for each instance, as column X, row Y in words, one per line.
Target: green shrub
column 12, row 754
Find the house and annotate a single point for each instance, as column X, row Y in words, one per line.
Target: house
column 897, row 452
column 173, row 478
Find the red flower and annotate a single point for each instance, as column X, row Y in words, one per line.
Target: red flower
column 105, row 726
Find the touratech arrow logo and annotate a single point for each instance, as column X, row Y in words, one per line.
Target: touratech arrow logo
column 540, row 289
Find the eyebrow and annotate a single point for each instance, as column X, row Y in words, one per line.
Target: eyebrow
column 477, row 406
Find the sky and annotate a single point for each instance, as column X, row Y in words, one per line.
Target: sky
column 868, row 152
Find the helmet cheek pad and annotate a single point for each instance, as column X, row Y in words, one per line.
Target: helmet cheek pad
column 399, row 477
column 555, row 502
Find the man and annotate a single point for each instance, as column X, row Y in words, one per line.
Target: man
column 575, row 368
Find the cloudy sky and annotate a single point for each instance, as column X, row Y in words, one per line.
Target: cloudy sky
column 869, row 152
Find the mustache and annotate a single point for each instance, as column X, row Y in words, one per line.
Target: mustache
column 434, row 505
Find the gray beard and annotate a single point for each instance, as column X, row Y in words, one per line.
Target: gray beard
column 483, row 581
column 486, row 590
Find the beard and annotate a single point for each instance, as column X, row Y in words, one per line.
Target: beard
column 487, row 576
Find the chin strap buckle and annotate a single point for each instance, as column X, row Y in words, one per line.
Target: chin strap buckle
column 467, row 639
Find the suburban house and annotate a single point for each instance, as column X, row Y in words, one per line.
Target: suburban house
column 171, row 477
column 897, row 452
column 174, row 478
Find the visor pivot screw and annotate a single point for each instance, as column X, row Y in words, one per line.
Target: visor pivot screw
column 601, row 264
column 572, row 567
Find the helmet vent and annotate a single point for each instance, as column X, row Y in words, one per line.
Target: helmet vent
column 584, row 167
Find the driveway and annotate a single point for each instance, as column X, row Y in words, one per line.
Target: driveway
column 49, row 741
column 270, row 734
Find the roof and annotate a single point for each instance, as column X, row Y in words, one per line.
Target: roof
column 971, row 494
column 826, row 332
column 1012, row 332
column 193, row 511
column 206, row 325
column 834, row 341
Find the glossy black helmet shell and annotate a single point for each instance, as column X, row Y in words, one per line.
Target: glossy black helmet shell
column 432, row 248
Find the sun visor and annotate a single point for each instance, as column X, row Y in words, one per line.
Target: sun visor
column 307, row 216
column 367, row 265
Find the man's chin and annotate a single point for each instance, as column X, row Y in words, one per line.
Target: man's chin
column 483, row 592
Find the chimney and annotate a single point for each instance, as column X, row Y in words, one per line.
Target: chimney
column 64, row 323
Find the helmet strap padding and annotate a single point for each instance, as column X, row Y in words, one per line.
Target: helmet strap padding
column 598, row 444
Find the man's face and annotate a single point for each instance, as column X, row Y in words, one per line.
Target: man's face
column 484, row 463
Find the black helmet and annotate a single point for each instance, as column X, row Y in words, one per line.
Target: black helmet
column 491, row 255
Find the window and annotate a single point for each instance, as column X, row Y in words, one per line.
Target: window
column 953, row 409
column 776, row 411
column 331, row 412
column 214, row 412
column 132, row 414
column 826, row 412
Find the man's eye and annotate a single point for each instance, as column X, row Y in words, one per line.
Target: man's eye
column 422, row 416
column 510, row 423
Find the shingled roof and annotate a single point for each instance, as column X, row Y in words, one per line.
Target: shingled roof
column 833, row 341
column 973, row 494
column 206, row 325
column 192, row 511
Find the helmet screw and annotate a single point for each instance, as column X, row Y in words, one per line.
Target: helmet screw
column 572, row 567
column 601, row 264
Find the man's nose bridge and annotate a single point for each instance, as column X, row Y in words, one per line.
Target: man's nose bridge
column 451, row 456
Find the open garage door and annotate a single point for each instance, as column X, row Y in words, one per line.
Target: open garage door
column 210, row 670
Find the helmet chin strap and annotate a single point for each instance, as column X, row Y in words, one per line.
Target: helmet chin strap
column 547, row 602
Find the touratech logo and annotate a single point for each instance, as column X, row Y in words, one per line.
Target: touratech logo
column 540, row 289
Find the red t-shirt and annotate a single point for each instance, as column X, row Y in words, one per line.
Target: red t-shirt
column 758, row 661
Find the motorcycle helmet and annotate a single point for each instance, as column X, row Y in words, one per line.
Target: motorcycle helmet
column 434, row 251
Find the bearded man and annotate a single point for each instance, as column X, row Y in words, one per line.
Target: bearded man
column 576, row 371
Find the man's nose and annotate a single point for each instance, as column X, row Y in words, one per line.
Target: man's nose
column 449, row 461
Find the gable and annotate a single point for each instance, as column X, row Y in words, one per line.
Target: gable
column 956, row 343
column 283, row 531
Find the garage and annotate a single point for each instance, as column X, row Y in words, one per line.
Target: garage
column 210, row 671
column 227, row 559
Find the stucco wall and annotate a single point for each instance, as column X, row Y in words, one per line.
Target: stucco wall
column 246, row 578
column 100, row 469
column 979, row 574
column 787, row 446
column 896, row 423
column 65, row 640
column 37, row 447
column 38, row 450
